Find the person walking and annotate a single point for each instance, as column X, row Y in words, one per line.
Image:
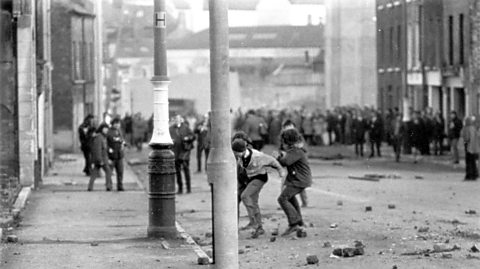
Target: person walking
column 116, row 145
column 454, row 128
column 299, row 177
column 417, row 134
column 470, row 139
column 255, row 164
column 183, row 139
column 86, row 131
column 100, row 158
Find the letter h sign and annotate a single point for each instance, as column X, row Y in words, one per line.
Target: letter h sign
column 160, row 19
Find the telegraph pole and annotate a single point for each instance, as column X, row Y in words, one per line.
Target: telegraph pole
column 221, row 163
column 406, row 97
column 161, row 164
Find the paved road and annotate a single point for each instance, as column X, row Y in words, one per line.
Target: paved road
column 424, row 195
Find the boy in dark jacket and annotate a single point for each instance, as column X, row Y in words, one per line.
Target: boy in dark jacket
column 298, row 178
column 116, row 145
column 100, row 158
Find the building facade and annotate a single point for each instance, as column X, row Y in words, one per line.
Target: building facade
column 350, row 54
column 433, row 67
column 74, row 82
column 25, row 96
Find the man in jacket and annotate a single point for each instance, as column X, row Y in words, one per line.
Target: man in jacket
column 454, row 129
column 85, row 134
column 183, row 139
column 375, row 133
column 100, row 158
column 203, row 141
column 116, row 145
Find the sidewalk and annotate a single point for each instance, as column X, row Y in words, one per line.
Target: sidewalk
column 64, row 226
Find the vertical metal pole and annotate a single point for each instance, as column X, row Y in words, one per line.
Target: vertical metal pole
column 406, row 99
column 161, row 164
column 221, row 162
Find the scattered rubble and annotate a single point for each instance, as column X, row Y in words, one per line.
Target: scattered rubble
column 241, row 251
column 474, row 248
column 203, row 260
column 470, row 212
column 12, row 239
column 327, row 245
column 423, row 229
column 357, row 249
column 391, row 206
column 273, row 239
column 339, row 203
column 437, row 248
column 376, row 179
column 301, row 233
column 470, row 257
column 312, row 259
column 368, row 208
column 333, row 226
column 208, row 235
column 94, row 244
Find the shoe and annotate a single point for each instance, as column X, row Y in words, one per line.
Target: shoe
column 109, row 189
column 120, row 189
column 179, row 192
column 89, row 190
column 189, row 191
column 259, row 231
column 290, row 230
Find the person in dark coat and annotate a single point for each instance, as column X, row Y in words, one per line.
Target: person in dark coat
column 128, row 128
column 116, row 146
column 438, row 133
column 255, row 127
column 202, row 130
column 183, row 139
column 359, row 127
column 85, row 134
column 299, row 177
column 454, row 129
column 417, row 134
column 331, row 124
column 100, row 158
column 375, row 129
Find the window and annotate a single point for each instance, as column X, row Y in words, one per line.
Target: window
column 382, row 47
column 391, row 45
column 450, row 40
column 399, row 43
column 461, row 39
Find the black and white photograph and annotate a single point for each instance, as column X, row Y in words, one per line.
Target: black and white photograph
column 239, row 134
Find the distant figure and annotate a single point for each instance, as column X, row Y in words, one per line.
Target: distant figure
column 139, row 129
column 417, row 134
column 359, row 127
column 85, row 134
column 100, row 158
column 116, row 146
column 202, row 130
column 438, row 133
column 454, row 128
column 255, row 127
column 128, row 128
column 470, row 138
column 183, row 139
column 375, row 133
column 397, row 136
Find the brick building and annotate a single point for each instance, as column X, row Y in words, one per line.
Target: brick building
column 74, row 82
column 432, row 57
column 25, row 104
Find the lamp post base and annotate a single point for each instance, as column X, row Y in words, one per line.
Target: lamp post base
column 161, row 192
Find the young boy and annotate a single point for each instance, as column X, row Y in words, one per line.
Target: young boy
column 255, row 164
column 298, row 178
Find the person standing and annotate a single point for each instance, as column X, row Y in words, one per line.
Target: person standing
column 202, row 130
column 470, row 139
column 359, row 127
column 331, row 123
column 375, row 134
column 438, row 133
column 397, row 135
column 299, row 177
column 417, row 135
column 183, row 139
column 255, row 164
column 454, row 128
column 86, row 131
column 100, row 158
column 116, row 146
column 255, row 127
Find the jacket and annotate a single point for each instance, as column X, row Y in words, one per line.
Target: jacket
column 115, row 144
column 183, row 139
column 259, row 163
column 99, row 150
column 454, row 128
column 470, row 137
column 299, row 173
